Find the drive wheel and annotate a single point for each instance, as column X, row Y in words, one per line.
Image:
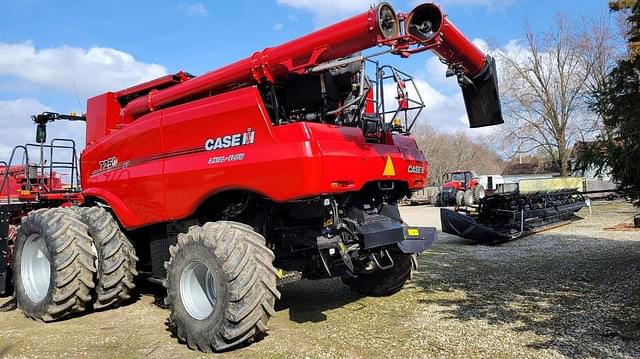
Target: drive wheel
column 478, row 193
column 116, row 257
column 468, row 198
column 54, row 264
column 221, row 286
column 459, row 198
column 383, row 282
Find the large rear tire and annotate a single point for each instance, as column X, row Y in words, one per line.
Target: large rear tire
column 383, row 282
column 221, row 286
column 116, row 257
column 54, row 264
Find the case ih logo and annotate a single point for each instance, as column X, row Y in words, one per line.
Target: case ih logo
column 418, row 170
column 235, row 140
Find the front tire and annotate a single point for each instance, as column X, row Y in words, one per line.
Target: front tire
column 459, row 198
column 54, row 264
column 383, row 282
column 221, row 286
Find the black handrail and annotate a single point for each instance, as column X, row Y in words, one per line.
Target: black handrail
column 72, row 165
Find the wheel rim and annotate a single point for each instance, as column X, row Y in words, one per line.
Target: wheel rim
column 35, row 268
column 197, row 290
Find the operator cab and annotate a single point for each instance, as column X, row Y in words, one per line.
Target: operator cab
column 342, row 92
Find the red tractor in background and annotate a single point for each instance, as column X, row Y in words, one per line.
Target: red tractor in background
column 223, row 186
column 461, row 188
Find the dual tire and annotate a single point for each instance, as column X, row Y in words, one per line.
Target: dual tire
column 221, row 282
column 470, row 197
column 69, row 259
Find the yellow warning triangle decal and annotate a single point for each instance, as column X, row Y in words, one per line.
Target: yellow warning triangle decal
column 388, row 168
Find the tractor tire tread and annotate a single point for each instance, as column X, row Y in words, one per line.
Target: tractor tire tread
column 73, row 276
column 250, row 280
column 116, row 257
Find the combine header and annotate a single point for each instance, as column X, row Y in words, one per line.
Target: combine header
column 284, row 165
column 502, row 217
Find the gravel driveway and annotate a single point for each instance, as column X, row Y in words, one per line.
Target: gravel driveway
column 570, row 292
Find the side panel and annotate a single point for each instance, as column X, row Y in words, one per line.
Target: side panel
column 125, row 170
column 550, row 184
column 103, row 115
column 8, row 188
column 349, row 162
column 164, row 165
column 227, row 142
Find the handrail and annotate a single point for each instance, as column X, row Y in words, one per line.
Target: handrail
column 5, row 178
column 74, row 160
column 72, row 165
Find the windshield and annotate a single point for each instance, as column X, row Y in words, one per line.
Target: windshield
column 457, row 177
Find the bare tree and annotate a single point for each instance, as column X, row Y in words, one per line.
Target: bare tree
column 546, row 86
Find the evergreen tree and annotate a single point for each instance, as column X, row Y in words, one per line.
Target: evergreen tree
column 618, row 103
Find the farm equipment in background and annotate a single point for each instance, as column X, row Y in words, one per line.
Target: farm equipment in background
column 29, row 186
column 461, row 188
column 220, row 187
column 536, row 205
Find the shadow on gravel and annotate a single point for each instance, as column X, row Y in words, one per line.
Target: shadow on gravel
column 8, row 306
column 307, row 301
column 144, row 287
column 581, row 293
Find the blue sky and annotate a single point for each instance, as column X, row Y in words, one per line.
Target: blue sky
column 51, row 50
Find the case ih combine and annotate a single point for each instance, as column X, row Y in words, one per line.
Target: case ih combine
column 281, row 166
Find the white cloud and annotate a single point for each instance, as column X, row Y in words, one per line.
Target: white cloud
column 327, row 11
column 195, row 9
column 18, row 129
column 93, row 70
column 278, row 26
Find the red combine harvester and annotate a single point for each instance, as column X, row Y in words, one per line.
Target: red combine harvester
column 281, row 166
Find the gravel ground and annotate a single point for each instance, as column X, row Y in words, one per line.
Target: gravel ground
column 569, row 292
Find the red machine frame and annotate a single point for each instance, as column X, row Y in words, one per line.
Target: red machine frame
column 146, row 154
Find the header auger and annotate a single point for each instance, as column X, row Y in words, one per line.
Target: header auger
column 284, row 165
